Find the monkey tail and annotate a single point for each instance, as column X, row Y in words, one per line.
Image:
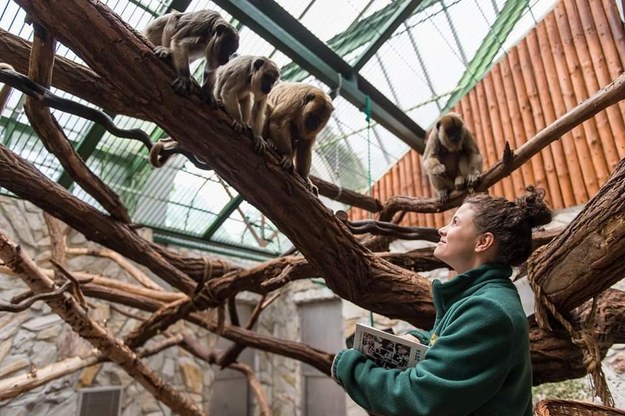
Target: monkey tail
column 6, row 90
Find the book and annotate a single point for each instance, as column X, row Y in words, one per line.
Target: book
column 388, row 350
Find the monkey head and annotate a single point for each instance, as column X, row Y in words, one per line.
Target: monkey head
column 451, row 131
column 265, row 73
column 226, row 41
column 317, row 108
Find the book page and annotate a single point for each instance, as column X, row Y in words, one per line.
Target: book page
column 388, row 350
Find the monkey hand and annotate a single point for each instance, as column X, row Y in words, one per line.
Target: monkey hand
column 443, row 196
column 271, row 145
column 184, row 85
column 239, row 126
column 162, row 52
column 473, row 179
column 286, row 163
column 260, row 145
column 313, row 188
column 438, row 169
column 459, row 182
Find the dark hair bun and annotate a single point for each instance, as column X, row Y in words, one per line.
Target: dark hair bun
column 534, row 206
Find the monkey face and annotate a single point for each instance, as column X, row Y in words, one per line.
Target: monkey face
column 317, row 111
column 268, row 80
column 451, row 131
column 312, row 122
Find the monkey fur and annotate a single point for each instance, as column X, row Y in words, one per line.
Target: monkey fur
column 451, row 158
column 296, row 113
column 185, row 37
column 242, row 86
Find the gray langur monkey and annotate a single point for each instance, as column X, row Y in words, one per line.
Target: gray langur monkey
column 296, row 113
column 451, row 158
column 185, row 37
column 242, row 85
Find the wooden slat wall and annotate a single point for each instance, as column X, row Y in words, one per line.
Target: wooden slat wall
column 577, row 49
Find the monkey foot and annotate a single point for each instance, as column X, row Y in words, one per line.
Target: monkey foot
column 162, row 52
column 286, row 163
column 472, row 180
column 238, row 126
column 260, row 145
column 271, row 145
column 443, row 197
column 313, row 188
column 460, row 183
column 185, row 85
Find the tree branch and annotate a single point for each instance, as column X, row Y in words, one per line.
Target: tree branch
column 68, row 309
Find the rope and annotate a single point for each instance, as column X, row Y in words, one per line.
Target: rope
column 202, row 291
column 368, row 118
column 583, row 339
column 336, row 146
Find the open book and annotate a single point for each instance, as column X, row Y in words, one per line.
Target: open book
column 388, row 350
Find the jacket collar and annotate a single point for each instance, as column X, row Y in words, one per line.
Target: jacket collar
column 465, row 284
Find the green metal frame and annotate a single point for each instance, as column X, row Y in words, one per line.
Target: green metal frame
column 401, row 14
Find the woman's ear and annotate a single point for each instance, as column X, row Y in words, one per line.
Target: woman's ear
column 484, row 242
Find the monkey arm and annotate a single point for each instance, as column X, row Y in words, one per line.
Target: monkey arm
column 280, row 135
column 229, row 95
column 246, row 108
column 258, row 116
column 431, row 161
column 470, row 163
column 303, row 157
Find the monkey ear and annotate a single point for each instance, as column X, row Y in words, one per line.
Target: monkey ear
column 258, row 64
column 438, row 125
column 309, row 97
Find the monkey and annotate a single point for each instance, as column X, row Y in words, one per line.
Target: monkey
column 185, row 37
column 296, row 113
column 451, row 157
column 6, row 90
column 242, row 86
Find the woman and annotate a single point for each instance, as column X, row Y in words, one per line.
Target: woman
column 479, row 359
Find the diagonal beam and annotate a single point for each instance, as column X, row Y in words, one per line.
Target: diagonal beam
column 282, row 30
column 400, row 15
column 225, row 213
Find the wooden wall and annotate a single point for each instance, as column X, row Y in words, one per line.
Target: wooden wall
column 577, row 49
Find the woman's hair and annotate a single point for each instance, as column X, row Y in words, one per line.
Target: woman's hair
column 510, row 222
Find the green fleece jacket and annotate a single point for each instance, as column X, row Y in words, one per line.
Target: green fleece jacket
column 478, row 362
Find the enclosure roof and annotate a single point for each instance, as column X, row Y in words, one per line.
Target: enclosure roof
column 391, row 66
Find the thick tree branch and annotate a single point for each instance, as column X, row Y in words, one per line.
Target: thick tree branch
column 52, row 136
column 27, row 182
column 68, row 76
column 581, row 261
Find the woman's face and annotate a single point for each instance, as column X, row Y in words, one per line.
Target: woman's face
column 458, row 240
